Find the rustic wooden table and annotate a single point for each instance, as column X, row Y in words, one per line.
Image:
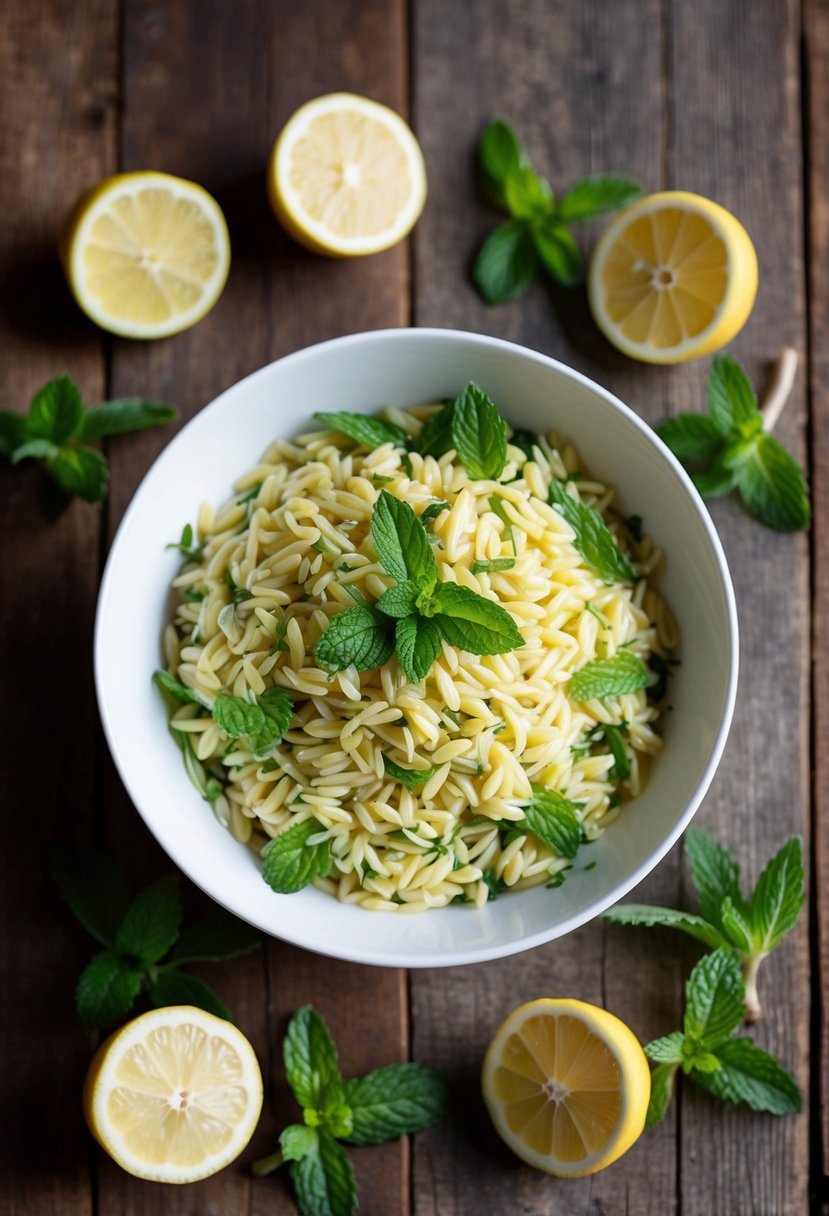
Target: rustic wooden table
column 727, row 97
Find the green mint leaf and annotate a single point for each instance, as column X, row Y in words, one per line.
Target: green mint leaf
column 93, row 887
column 662, row 1090
column 472, row 622
column 595, row 195
column 714, row 999
column 178, row 690
column 691, row 436
column 506, row 263
column 772, row 485
column 553, row 819
column 417, row 642
column 615, row 677
column 124, row 415
column 236, row 716
column 667, row 1050
column 433, row 510
column 185, row 544
column 106, row 990
column 736, row 927
column 238, row 594
column 701, row 1061
column 493, row 565
column 394, row 1101
column 592, row 538
column 716, row 480
column 357, row 637
column 778, row 897
column 479, row 434
column 731, row 398
column 435, row 438
column 324, row 1180
column 499, row 155
column 14, row 431
column 178, row 988
column 218, row 937
column 151, row 923
column 296, row 1141
column 208, row 787
column 402, row 542
column 621, row 761
column 277, row 705
column 559, row 252
column 747, row 1074
column 80, row 471
column 714, row 872
column 528, row 196
column 400, row 600
column 34, row 449
column 366, row 431
column 412, row 778
column 290, row 863
column 496, row 505
column 311, row 1061
column 646, row 914
column 56, row 411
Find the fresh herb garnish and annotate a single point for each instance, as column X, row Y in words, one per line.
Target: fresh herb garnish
column 390, row 1102
column 291, row 863
column 58, row 427
column 553, row 819
column 751, row 928
column 495, row 886
column 493, row 565
column 262, row 721
column 185, row 545
column 432, row 511
column 412, row 778
column 598, row 678
column 472, row 426
column 365, row 430
column 537, row 234
column 238, row 594
column 496, row 506
column 621, row 760
column 592, row 538
column 729, row 450
column 137, row 935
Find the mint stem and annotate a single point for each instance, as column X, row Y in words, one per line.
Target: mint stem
column 751, row 966
column 267, row 1165
column 782, row 380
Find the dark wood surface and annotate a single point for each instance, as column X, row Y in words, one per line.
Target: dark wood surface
column 727, row 97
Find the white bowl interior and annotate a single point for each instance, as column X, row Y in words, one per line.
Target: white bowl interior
column 364, row 372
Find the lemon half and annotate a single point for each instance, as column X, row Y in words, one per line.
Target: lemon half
column 673, row 277
column 346, row 176
column 146, row 254
column 567, row 1085
column 174, row 1095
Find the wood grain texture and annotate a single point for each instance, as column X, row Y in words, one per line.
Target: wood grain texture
column 59, row 133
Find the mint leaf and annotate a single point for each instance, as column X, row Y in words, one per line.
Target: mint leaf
column 56, row 412
column 412, row 778
column 736, row 927
column 417, row 641
column 772, row 485
column 621, row 761
column 236, row 716
column 691, row 436
column 311, row 1061
column 324, row 1180
column 433, row 510
column 553, row 819
column 592, row 538
column 290, row 863
column 778, row 897
column 278, row 707
column 716, row 480
column 714, row 999
column 364, row 430
column 595, row 195
column 747, row 1074
column 93, row 887
column 615, row 677
column 14, row 431
column 528, row 196
column 647, row 914
column 559, row 252
column 499, row 155
column 394, row 1101
column 34, row 449
column 473, row 623
column 435, row 438
column 296, row 1141
column 219, row 936
column 493, row 565
column 402, row 542
column 151, row 923
column 185, row 544
column 506, row 263
column 731, row 398
column 667, row 1050
column 106, row 990
column 177, row 988
column 662, row 1090
column 80, row 471
column 399, row 600
column 124, row 415
column 479, row 434
column 496, row 506
column 357, row 637
column 714, row 872
column 176, row 689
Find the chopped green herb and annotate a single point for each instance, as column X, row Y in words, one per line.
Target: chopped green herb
column 493, row 565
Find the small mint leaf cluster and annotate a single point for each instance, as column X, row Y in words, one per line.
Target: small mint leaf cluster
column 144, row 945
column 390, row 1102
column 538, row 234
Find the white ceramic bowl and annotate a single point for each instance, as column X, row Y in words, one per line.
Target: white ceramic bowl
column 364, row 372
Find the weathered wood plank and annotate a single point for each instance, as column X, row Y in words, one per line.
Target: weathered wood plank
column 57, row 93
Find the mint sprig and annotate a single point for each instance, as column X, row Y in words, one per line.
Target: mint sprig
column 749, row 928
column 365, row 430
column 144, row 946
column 390, row 1102
column 291, row 863
column 537, row 235
column 472, row 425
column 57, row 430
column 727, row 449
column 592, row 539
column 260, row 722
column 614, row 677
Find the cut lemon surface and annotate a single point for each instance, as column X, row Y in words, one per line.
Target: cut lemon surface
column 673, row 277
column 174, row 1095
column 146, row 254
column 346, row 176
column 567, row 1085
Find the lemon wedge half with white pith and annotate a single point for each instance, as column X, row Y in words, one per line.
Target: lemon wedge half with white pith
column 146, row 254
column 567, row 1085
column 174, row 1095
column 346, row 176
column 673, row 277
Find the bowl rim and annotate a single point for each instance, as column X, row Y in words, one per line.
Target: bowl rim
column 292, row 933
